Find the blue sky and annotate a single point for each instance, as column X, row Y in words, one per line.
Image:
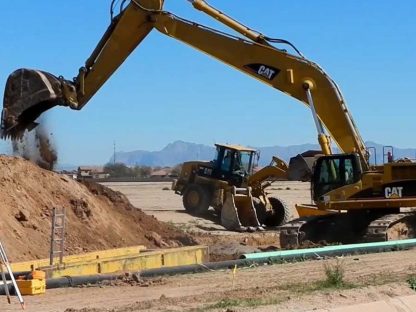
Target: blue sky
column 167, row 91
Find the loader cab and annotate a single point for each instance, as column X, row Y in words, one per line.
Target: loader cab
column 334, row 171
column 233, row 163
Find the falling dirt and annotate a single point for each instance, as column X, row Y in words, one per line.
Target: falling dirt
column 46, row 149
column 38, row 147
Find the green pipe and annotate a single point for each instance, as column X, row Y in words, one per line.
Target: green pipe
column 334, row 250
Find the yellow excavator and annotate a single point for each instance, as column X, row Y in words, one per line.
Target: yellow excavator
column 353, row 200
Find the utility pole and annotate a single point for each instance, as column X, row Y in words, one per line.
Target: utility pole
column 114, row 152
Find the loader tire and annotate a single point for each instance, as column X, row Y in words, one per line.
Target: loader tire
column 260, row 210
column 196, row 199
column 280, row 213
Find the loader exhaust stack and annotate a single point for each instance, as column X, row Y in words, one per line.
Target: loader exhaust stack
column 29, row 93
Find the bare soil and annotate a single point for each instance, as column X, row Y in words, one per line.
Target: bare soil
column 284, row 287
column 97, row 218
column 101, row 218
column 155, row 198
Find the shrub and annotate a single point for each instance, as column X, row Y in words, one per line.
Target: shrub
column 412, row 282
column 334, row 274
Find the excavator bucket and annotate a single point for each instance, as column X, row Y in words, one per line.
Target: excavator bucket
column 238, row 212
column 27, row 95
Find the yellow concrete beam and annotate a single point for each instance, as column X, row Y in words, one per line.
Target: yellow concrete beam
column 143, row 260
column 100, row 254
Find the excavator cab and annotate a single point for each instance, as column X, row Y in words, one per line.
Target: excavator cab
column 233, row 163
column 334, row 171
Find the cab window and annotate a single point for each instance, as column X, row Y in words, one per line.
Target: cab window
column 329, row 171
column 245, row 161
column 348, row 171
column 226, row 161
column 334, row 172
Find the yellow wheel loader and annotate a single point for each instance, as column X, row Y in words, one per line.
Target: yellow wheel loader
column 352, row 200
column 229, row 185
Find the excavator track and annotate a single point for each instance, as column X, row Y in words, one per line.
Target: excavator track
column 290, row 234
column 319, row 230
column 391, row 227
column 345, row 229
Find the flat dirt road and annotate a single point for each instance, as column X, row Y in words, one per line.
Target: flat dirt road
column 300, row 286
column 158, row 200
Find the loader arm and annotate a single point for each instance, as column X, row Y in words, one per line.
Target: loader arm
column 255, row 57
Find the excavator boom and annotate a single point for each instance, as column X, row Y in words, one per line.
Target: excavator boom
column 256, row 57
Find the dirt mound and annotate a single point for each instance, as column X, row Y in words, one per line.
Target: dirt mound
column 97, row 217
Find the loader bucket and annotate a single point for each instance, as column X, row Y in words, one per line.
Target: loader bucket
column 28, row 93
column 238, row 212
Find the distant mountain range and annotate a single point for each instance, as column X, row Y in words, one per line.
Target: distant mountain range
column 172, row 154
column 180, row 151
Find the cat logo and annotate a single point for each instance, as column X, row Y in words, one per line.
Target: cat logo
column 393, row 192
column 265, row 71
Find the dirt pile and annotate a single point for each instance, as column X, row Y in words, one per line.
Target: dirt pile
column 97, row 217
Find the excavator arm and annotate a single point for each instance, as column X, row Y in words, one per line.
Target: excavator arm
column 28, row 93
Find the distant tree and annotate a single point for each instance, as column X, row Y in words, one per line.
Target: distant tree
column 136, row 171
column 146, row 171
column 118, row 170
column 176, row 170
column 142, row 171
